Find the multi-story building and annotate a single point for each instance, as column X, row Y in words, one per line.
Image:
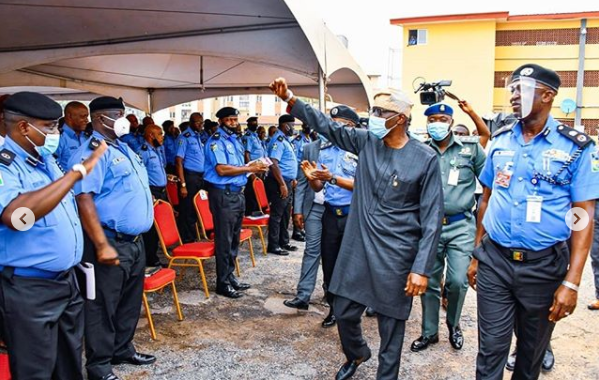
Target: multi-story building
column 479, row 52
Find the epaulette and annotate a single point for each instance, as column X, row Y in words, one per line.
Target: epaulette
column 298, row 137
column 187, row 134
column 144, row 147
column 469, row 139
column 505, row 128
column 281, row 138
column 247, row 133
column 579, row 138
column 94, row 143
column 6, row 157
column 216, row 135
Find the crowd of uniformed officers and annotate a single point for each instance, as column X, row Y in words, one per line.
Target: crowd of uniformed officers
column 390, row 215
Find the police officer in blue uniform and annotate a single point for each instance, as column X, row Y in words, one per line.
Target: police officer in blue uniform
column 334, row 172
column 210, row 128
column 135, row 136
column 253, row 151
column 170, row 145
column 279, row 184
column 154, row 162
column 41, row 308
column 298, row 142
column 115, row 205
column 190, row 170
column 74, row 132
column 226, row 177
column 524, row 273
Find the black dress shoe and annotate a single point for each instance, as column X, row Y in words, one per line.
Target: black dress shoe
column 370, row 312
column 329, row 321
column 298, row 237
column 238, row 285
column 296, row 303
column 137, row 359
column 456, row 338
column 423, row 342
column 289, row 247
column 548, row 361
column 348, row 369
column 278, row 251
column 110, row 376
column 511, row 361
column 229, row 292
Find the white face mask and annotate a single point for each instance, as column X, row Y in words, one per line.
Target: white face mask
column 121, row 126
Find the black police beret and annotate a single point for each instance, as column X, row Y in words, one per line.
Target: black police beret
column 227, row 112
column 106, row 103
column 250, row 119
column 286, row 118
column 542, row 75
column 344, row 112
column 33, row 105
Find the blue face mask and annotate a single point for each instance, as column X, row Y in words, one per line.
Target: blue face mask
column 438, row 130
column 50, row 145
column 376, row 126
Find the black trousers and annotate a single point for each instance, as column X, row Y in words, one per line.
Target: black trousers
column 194, row 182
column 280, row 213
column 515, row 295
column 43, row 326
column 171, row 169
column 227, row 209
column 391, row 331
column 251, row 204
column 151, row 237
column 111, row 319
column 333, row 227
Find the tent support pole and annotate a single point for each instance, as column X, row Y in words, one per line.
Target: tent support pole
column 322, row 106
column 150, row 101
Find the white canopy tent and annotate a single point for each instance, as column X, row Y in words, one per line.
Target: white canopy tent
column 156, row 54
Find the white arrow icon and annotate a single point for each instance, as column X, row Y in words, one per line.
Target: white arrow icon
column 577, row 219
column 22, row 219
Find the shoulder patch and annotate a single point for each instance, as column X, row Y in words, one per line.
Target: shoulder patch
column 579, row 138
column 6, row 157
column 281, row 138
column 213, row 147
column 144, row 147
column 505, row 128
column 187, row 134
column 94, row 143
column 247, row 133
column 469, row 139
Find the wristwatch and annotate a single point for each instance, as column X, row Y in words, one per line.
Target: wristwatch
column 333, row 181
column 81, row 169
column 183, row 184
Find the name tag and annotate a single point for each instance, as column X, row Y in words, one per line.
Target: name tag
column 504, row 176
column 534, row 205
column 505, row 153
column 454, row 176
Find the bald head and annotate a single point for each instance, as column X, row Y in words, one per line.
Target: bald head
column 76, row 116
column 153, row 135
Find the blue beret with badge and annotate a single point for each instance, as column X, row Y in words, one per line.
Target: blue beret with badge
column 106, row 103
column 439, row 109
column 539, row 73
column 227, row 112
column 286, row 118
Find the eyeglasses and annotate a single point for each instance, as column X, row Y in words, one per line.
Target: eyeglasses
column 379, row 112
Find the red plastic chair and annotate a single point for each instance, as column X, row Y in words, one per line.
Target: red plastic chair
column 172, row 192
column 154, row 283
column 166, row 226
column 4, row 367
column 206, row 225
column 260, row 222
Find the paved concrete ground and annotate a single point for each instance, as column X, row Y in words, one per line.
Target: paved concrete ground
column 257, row 337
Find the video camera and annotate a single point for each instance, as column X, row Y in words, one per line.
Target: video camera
column 431, row 93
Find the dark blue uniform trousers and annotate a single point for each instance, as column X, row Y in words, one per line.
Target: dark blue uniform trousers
column 518, row 295
column 111, row 319
column 280, row 213
column 43, row 326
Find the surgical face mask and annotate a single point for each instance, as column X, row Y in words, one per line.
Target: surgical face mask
column 377, row 126
column 438, row 130
column 50, row 144
column 120, row 126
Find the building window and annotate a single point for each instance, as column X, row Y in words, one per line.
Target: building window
column 417, row 37
column 173, row 114
column 186, row 105
column 259, row 98
column 244, row 102
column 277, row 99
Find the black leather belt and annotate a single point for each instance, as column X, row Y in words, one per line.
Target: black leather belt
column 523, row 255
column 337, row 210
column 112, row 234
column 158, row 189
column 229, row 188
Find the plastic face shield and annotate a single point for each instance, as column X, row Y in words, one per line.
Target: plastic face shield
column 521, row 96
